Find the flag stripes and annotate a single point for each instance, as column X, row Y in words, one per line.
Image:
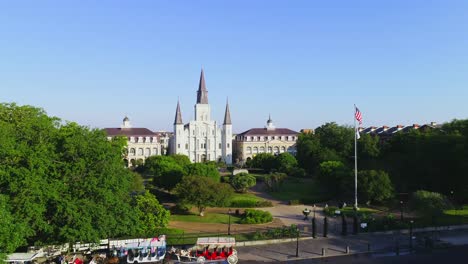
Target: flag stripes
column 358, row 115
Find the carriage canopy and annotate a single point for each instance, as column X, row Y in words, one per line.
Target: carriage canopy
column 216, row 241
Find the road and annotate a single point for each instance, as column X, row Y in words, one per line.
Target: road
column 336, row 246
column 458, row 254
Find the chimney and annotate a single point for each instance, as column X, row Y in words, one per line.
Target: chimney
column 373, row 128
column 385, row 128
column 415, row 126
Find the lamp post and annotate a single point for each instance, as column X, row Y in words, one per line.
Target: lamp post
column 297, row 242
column 314, row 231
column 229, row 222
column 452, row 196
column 401, row 210
column 411, row 235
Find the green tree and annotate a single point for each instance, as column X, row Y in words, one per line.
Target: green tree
column 285, row 162
column 265, row 161
column 202, row 192
column 151, row 214
column 62, row 182
column 374, row 186
column 242, row 181
column 308, row 152
column 182, row 160
column 167, row 171
column 335, row 177
column 337, row 138
column 204, row 169
column 11, row 232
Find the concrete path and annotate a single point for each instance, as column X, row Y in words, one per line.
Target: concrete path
column 383, row 244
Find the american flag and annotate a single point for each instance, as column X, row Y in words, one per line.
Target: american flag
column 358, row 115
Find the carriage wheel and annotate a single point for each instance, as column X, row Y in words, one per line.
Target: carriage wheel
column 232, row 259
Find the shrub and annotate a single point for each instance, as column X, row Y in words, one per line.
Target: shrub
column 225, row 179
column 274, row 181
column 249, row 203
column 388, row 222
column 297, row 172
column 293, row 202
column 242, row 181
column 264, row 203
column 429, row 203
column 252, row 216
column 280, row 232
column 330, row 210
column 244, row 203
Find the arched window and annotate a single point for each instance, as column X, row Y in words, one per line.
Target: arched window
column 140, row 152
column 249, row 150
column 147, row 152
column 255, row 150
column 276, row 150
column 132, row 152
column 155, row 151
column 283, row 149
column 262, row 149
column 270, row 150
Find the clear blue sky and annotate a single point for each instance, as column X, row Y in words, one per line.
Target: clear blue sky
column 305, row 62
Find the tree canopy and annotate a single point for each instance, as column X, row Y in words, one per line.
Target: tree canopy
column 202, row 192
column 242, row 181
column 433, row 158
column 61, row 182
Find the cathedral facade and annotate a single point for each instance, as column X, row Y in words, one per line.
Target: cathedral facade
column 202, row 139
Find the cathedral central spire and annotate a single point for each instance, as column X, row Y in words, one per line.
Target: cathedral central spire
column 202, row 93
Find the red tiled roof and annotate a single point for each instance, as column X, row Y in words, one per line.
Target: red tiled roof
column 264, row 131
column 129, row 132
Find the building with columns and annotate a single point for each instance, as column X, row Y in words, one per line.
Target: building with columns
column 141, row 142
column 202, row 139
column 264, row 140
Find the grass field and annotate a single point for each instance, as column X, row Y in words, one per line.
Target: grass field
column 462, row 212
column 208, row 218
column 304, row 190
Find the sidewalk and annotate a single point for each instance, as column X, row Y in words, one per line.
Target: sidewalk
column 336, row 246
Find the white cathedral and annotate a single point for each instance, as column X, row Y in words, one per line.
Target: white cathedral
column 202, row 139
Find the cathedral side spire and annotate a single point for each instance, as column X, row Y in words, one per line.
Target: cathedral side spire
column 202, row 93
column 178, row 116
column 227, row 115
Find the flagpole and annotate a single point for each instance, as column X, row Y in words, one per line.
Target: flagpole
column 355, row 160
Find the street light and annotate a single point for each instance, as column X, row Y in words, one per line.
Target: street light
column 411, row 235
column 314, row 227
column 401, row 210
column 229, row 222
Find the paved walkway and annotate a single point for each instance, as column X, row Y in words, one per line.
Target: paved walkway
column 384, row 244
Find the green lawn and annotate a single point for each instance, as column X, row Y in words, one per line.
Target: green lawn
column 462, row 212
column 304, row 190
column 208, row 218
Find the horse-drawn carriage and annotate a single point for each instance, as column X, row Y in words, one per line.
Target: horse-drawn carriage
column 208, row 250
column 146, row 251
